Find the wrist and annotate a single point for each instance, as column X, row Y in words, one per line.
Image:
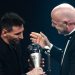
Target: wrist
column 48, row 47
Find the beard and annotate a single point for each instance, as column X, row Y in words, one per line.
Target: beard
column 15, row 45
column 62, row 32
column 14, row 42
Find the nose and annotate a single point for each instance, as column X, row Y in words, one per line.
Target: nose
column 21, row 36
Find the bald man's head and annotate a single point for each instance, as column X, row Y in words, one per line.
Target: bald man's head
column 64, row 11
column 63, row 18
column 63, row 5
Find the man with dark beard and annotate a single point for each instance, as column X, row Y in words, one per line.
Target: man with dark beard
column 11, row 33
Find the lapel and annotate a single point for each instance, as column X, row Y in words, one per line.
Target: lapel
column 68, row 47
column 71, row 38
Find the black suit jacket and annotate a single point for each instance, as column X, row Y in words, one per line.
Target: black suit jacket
column 11, row 62
column 68, row 65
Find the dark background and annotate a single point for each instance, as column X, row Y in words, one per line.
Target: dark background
column 36, row 13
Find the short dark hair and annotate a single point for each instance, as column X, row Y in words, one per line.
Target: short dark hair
column 9, row 20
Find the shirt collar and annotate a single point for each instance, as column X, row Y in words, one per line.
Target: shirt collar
column 70, row 32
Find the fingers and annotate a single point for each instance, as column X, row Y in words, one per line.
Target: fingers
column 36, row 71
column 38, row 38
column 47, row 42
column 40, row 71
column 35, row 33
column 33, row 40
column 43, row 35
column 35, row 37
column 42, row 62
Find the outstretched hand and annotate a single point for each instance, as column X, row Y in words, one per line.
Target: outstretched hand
column 40, row 39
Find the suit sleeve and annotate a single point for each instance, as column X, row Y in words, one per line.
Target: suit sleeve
column 56, row 53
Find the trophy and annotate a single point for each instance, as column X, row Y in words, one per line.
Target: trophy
column 35, row 55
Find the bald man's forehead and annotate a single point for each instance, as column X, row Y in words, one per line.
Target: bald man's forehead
column 63, row 5
column 56, row 14
column 63, row 13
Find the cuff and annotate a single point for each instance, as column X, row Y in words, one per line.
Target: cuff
column 48, row 48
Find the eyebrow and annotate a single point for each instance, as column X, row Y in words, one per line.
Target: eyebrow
column 17, row 33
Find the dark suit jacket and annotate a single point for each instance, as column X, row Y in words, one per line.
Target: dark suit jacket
column 68, row 65
column 11, row 60
column 55, row 60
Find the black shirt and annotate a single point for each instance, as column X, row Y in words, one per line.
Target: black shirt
column 11, row 59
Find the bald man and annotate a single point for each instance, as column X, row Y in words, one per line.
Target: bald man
column 63, row 19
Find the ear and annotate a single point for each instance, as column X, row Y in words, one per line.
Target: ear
column 4, row 32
